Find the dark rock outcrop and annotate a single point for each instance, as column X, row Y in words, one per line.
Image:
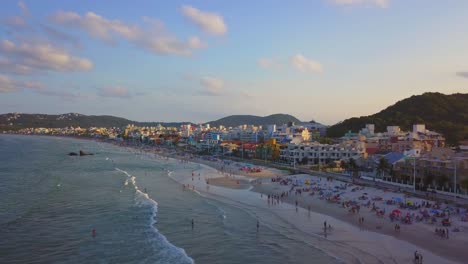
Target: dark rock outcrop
column 82, row 153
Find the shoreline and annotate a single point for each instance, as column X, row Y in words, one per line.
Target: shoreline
column 410, row 235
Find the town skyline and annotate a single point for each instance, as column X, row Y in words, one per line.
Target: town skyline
column 203, row 60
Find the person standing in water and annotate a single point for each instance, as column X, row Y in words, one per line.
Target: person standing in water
column 258, row 225
column 193, row 224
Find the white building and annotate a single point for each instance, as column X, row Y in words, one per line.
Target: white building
column 316, row 153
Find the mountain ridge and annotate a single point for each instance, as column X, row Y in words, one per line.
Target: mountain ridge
column 237, row 120
column 13, row 121
column 447, row 114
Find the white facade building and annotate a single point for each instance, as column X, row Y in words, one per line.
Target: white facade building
column 315, row 153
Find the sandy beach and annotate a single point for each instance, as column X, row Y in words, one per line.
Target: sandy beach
column 374, row 241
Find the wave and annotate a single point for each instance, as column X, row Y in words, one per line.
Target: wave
column 142, row 199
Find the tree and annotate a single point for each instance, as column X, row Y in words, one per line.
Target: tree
column 428, row 178
column 442, row 180
column 343, row 164
column 383, row 167
column 464, row 184
column 353, row 167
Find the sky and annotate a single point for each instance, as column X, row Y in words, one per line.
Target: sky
column 148, row 60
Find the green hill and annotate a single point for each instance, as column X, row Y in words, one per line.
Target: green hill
column 237, row 120
column 12, row 121
column 446, row 114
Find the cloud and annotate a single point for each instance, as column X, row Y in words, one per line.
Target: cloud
column 16, row 22
column 462, row 74
column 269, row 64
column 212, row 86
column 24, row 8
column 60, row 36
column 303, row 64
column 8, row 85
column 211, row 23
column 28, row 57
column 115, row 92
column 153, row 37
column 62, row 94
column 379, row 3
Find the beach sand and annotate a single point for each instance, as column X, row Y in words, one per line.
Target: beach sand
column 373, row 242
column 230, row 182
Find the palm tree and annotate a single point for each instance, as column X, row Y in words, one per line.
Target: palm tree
column 464, row 184
column 343, row 165
column 353, row 166
column 383, row 167
column 442, row 180
column 428, row 178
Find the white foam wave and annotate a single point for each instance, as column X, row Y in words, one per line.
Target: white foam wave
column 142, row 199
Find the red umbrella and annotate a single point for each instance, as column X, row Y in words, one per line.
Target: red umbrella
column 396, row 211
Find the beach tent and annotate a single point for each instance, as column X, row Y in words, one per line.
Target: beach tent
column 396, row 211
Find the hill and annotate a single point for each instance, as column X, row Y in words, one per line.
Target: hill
column 446, row 114
column 237, row 120
column 12, row 121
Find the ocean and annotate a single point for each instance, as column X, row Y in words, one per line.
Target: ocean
column 51, row 202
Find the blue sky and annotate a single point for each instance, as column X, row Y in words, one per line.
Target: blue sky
column 326, row 60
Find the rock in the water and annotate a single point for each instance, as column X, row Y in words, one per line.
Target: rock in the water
column 82, row 153
column 72, row 154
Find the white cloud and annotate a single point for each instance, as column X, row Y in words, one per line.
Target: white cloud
column 379, row 3
column 24, row 8
column 8, row 85
column 60, row 36
column 269, row 63
column 116, row 92
column 154, row 37
column 213, row 86
column 209, row 22
column 27, row 57
column 304, row 64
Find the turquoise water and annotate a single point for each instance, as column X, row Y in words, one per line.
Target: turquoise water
column 50, row 203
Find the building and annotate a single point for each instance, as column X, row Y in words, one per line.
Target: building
column 316, row 153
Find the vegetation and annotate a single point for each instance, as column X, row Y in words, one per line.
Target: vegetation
column 17, row 121
column 237, row 120
column 383, row 167
column 446, row 114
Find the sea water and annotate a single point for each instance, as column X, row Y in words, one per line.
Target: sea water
column 50, row 203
